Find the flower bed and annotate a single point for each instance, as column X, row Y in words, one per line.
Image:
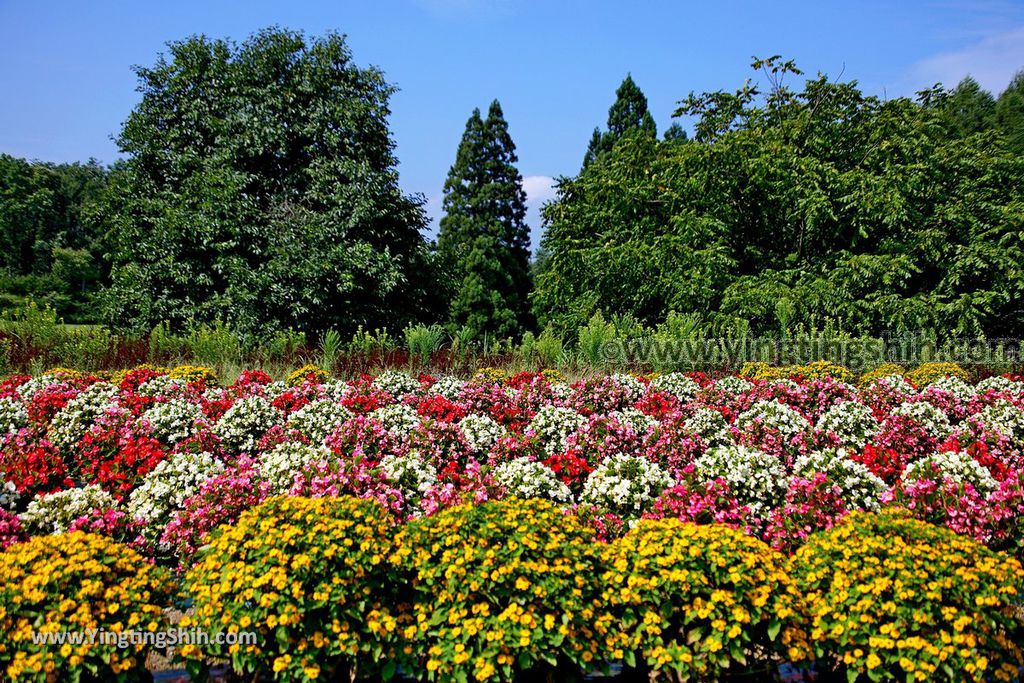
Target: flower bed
column 158, row 461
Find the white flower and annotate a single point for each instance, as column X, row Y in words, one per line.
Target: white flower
column 733, row 385
column 960, row 389
column 710, row 425
column 859, row 488
column 633, row 387
column 30, row 388
column 640, row 421
column 775, row 415
column 410, row 474
column 852, row 421
column 481, row 431
column 561, row 391
column 167, row 486
column 9, row 496
column 163, row 386
column 523, row 478
column 53, row 513
column 396, row 383
column 625, row 484
column 1005, row 418
column 334, row 389
column 397, row 418
column 175, row 420
column 279, row 466
column 447, row 386
column 13, row 416
column 677, row 384
column 553, row 425
column 1001, row 384
column 72, row 421
column 318, row 419
column 928, row 416
column 896, row 383
column 756, row 478
column 245, row 422
column 959, row 466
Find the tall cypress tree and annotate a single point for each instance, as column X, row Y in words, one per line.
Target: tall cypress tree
column 968, row 109
column 483, row 237
column 628, row 112
column 1010, row 113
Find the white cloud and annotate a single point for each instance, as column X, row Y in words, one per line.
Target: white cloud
column 992, row 61
column 539, row 189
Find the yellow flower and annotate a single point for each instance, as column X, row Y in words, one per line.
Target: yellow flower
column 281, row 663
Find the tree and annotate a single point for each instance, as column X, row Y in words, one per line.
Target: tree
column 675, row 133
column 627, row 114
column 483, row 238
column 43, row 230
column 968, row 109
column 1010, row 113
column 260, row 188
column 822, row 206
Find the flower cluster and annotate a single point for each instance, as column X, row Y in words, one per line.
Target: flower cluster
column 500, row 588
column 891, row 598
column 777, row 453
column 310, row 576
column 76, row 583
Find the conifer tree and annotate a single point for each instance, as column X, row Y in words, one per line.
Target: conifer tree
column 628, row 112
column 968, row 109
column 1010, row 113
column 483, row 238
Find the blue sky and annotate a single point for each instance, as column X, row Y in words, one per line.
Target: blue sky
column 67, row 82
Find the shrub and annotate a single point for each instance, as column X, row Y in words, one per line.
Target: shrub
column 310, row 576
column 760, row 370
column 889, row 597
column 696, row 599
column 200, row 374
column 53, row 513
column 307, row 373
column 500, row 588
column 76, row 582
column 926, row 373
column 758, row 480
column 820, row 369
column 625, row 485
column 883, row 370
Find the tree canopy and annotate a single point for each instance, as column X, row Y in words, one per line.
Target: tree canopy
column 48, row 250
column 483, row 241
column 627, row 114
column 796, row 207
column 260, row 188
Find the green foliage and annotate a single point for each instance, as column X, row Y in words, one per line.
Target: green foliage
column 365, row 343
column 47, row 252
column 819, row 207
column 261, row 189
column 285, row 343
column 627, row 115
column 422, row 340
column 595, row 343
column 967, row 109
column 1010, row 113
column 330, row 348
column 214, row 344
column 483, row 241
